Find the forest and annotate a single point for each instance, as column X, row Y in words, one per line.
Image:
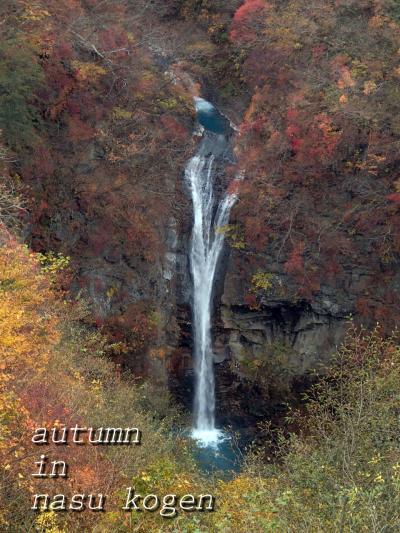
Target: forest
column 100, row 115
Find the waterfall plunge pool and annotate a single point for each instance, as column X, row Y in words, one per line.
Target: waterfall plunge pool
column 208, row 438
column 217, row 451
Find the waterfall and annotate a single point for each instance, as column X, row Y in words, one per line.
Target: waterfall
column 206, row 246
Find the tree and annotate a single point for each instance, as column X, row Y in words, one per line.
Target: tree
column 20, row 79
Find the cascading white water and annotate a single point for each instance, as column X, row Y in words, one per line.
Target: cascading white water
column 206, row 246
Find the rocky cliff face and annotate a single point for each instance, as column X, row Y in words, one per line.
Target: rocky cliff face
column 309, row 330
column 273, row 346
column 122, row 232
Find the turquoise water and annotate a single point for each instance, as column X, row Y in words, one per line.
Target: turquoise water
column 225, row 458
column 210, row 118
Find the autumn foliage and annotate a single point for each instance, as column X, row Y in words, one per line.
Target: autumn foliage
column 54, row 373
column 317, row 147
column 94, row 136
column 245, row 20
column 90, row 123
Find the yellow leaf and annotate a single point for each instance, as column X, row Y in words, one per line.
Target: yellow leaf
column 369, row 87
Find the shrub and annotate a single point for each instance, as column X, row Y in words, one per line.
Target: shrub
column 342, row 472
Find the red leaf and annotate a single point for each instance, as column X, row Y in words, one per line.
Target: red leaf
column 394, row 197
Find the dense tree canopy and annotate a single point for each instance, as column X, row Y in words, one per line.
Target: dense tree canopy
column 319, row 143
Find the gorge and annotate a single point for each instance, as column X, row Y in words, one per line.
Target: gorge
column 99, row 155
column 200, row 239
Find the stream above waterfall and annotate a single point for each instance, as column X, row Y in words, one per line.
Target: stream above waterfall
column 210, row 118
